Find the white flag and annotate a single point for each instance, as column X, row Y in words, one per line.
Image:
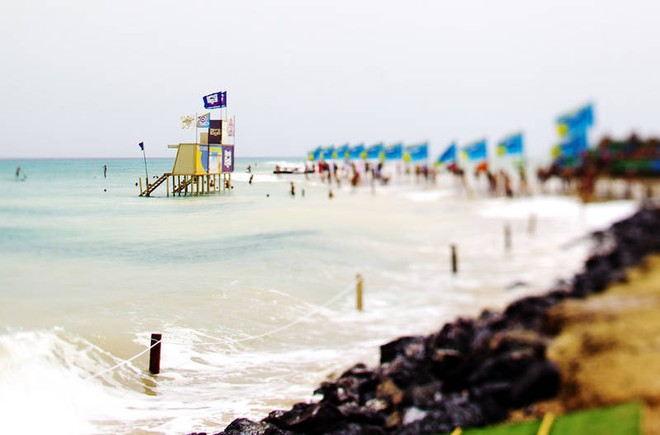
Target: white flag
column 231, row 126
column 203, row 121
column 187, row 121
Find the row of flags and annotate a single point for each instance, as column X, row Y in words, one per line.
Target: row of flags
column 476, row 151
column 398, row 151
column 215, row 100
column 197, row 121
column 572, row 127
column 204, row 121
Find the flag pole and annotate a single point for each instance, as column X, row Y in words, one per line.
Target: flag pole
column 144, row 155
column 208, row 147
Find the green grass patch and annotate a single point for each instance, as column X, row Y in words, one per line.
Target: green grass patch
column 616, row 420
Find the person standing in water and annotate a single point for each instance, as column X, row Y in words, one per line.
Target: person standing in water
column 105, row 171
column 20, row 174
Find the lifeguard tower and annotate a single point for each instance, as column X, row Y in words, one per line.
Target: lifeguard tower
column 199, row 168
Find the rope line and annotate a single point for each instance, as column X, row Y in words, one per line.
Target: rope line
column 123, row 362
column 218, row 340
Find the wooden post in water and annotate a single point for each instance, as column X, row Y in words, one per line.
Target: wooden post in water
column 531, row 224
column 454, row 260
column 359, row 290
column 154, row 353
column 507, row 236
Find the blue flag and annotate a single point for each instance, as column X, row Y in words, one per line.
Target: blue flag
column 510, row 145
column 315, row 154
column 328, row 153
column 374, row 151
column 574, row 146
column 215, row 100
column 576, row 122
column 342, row 152
column 449, row 156
column 394, row 152
column 356, row 152
column 141, row 145
column 476, row 151
column 416, row 153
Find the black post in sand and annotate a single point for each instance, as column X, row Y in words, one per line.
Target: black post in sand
column 154, row 354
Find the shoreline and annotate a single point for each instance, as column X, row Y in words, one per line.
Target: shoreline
column 472, row 372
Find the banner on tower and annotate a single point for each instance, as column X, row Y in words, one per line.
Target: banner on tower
column 215, row 131
column 227, row 158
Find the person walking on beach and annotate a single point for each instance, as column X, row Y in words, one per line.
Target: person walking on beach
column 293, row 189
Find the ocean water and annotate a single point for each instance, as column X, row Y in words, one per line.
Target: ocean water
column 252, row 289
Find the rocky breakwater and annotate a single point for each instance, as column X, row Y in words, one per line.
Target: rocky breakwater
column 472, row 372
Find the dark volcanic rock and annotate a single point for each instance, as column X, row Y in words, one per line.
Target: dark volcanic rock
column 307, row 417
column 409, row 347
column 540, row 381
column 243, row 426
column 356, row 429
column 357, row 384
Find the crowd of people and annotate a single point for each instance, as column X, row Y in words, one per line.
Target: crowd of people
column 366, row 173
column 632, row 160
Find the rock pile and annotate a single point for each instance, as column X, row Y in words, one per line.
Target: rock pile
column 472, row 372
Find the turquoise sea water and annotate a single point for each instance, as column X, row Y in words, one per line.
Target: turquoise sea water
column 252, row 288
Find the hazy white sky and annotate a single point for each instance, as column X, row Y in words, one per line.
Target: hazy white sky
column 85, row 78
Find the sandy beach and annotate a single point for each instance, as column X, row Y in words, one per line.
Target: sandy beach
column 608, row 348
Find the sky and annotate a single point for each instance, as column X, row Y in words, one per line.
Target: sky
column 86, row 78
